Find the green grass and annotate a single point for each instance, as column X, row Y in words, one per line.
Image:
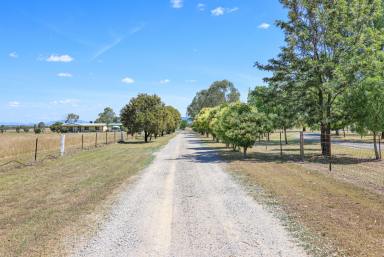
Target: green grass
column 43, row 204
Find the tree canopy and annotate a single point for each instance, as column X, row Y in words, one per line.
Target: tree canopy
column 219, row 92
column 107, row 116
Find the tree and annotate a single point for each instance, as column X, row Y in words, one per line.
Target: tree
column 3, row 129
column 56, row 127
column 140, row 114
column 72, row 118
column 18, row 129
column 107, row 116
column 218, row 93
column 26, row 129
column 242, row 124
column 326, row 42
column 183, row 124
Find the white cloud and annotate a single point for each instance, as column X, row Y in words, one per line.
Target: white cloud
column 59, row 58
column 72, row 102
column 164, row 81
column 64, row 75
column 219, row 11
column 128, row 80
column 13, row 55
column 201, row 7
column 191, row 81
column 264, row 25
column 177, row 4
column 13, row 104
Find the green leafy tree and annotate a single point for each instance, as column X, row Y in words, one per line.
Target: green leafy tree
column 18, row 128
column 140, row 114
column 242, row 124
column 72, row 118
column 56, row 127
column 107, row 116
column 26, row 129
column 326, row 45
column 183, row 124
column 218, row 93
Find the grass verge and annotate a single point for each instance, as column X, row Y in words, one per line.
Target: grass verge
column 39, row 204
column 339, row 217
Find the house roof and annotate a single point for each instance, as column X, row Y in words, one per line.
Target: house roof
column 84, row 125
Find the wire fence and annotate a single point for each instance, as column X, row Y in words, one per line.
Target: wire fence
column 26, row 149
column 329, row 149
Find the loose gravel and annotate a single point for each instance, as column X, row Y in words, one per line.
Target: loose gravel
column 184, row 204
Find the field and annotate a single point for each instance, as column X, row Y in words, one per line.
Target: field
column 21, row 146
column 42, row 204
column 338, row 213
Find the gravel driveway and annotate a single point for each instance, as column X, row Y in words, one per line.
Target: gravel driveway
column 184, row 204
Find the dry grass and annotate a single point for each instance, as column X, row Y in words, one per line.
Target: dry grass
column 344, row 208
column 38, row 204
column 21, row 146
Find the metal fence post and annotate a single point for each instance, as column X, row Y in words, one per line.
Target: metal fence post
column 37, row 140
column 281, row 147
column 302, row 146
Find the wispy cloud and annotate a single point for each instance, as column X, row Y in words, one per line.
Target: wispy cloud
column 192, row 81
column 201, row 7
column 13, row 55
column 106, row 48
column 264, row 25
column 64, row 75
column 13, row 104
column 164, row 81
column 128, row 80
column 71, row 102
column 59, row 58
column 220, row 11
column 177, row 4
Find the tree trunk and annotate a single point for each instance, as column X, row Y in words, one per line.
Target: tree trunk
column 344, row 131
column 162, row 133
column 304, row 129
column 245, row 152
column 285, row 136
column 337, row 132
column 145, row 137
column 269, row 139
column 325, row 139
column 377, row 154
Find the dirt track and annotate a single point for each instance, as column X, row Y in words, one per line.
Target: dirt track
column 184, row 204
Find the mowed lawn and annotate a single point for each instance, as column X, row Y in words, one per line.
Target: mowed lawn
column 43, row 205
column 339, row 213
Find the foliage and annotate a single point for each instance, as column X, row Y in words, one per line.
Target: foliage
column 219, row 92
column 18, row 129
column 183, row 124
column 107, row 116
column 56, row 127
column 327, row 45
column 72, row 118
column 238, row 124
column 25, row 129
column 148, row 114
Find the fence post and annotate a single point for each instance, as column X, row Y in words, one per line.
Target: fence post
column 96, row 140
column 302, row 146
column 380, row 146
column 114, row 137
column 82, row 141
column 122, row 136
column 37, row 140
column 106, row 137
column 330, row 152
column 281, row 147
column 62, row 145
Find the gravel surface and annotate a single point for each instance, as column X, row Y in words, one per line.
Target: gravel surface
column 184, row 204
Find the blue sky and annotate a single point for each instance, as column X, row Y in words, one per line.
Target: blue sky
column 67, row 56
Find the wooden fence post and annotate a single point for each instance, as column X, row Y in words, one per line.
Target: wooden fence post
column 330, row 152
column 106, row 137
column 82, row 141
column 96, row 140
column 114, row 137
column 62, row 145
column 37, row 140
column 302, row 146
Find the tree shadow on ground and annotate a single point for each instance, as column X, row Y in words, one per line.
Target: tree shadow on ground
column 205, row 153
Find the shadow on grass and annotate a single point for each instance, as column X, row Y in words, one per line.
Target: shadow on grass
column 206, row 153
